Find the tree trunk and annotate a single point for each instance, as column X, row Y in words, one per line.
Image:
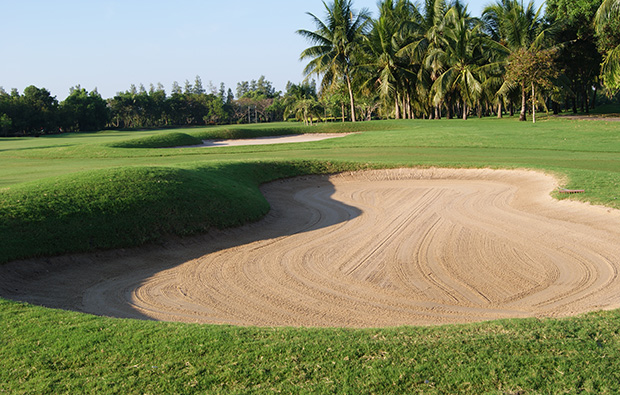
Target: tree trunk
column 405, row 114
column 499, row 109
column 409, row 112
column 464, row 111
column 523, row 117
column 437, row 112
column 351, row 97
column 396, row 108
column 533, row 104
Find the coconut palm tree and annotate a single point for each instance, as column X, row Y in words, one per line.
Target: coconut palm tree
column 335, row 44
column 432, row 25
column 610, row 68
column 516, row 28
column 301, row 100
column 392, row 71
column 462, row 59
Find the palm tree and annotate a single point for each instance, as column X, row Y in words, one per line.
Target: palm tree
column 390, row 69
column 516, row 28
column 335, row 44
column 461, row 58
column 610, row 68
column 302, row 101
column 433, row 24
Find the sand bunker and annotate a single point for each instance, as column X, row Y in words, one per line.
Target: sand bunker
column 368, row 249
column 293, row 138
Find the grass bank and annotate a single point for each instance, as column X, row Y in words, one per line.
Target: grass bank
column 90, row 191
column 129, row 206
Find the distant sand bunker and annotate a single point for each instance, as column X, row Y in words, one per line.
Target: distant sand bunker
column 293, row 138
column 367, row 249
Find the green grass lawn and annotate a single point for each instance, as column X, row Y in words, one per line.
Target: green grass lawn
column 85, row 192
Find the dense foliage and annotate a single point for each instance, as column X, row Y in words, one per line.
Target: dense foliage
column 438, row 60
column 36, row 112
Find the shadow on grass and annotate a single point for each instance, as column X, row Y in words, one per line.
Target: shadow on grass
column 104, row 283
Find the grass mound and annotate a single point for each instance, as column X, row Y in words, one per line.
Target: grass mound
column 120, row 207
column 164, row 140
column 129, row 206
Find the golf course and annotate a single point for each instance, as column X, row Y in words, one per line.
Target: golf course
column 402, row 256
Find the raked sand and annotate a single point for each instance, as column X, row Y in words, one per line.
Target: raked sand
column 366, row 249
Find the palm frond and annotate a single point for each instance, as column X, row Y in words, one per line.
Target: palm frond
column 610, row 69
column 608, row 9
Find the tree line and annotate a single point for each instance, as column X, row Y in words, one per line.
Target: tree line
column 413, row 61
column 37, row 112
column 438, row 60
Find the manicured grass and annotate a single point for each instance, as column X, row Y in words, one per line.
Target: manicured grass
column 86, row 192
column 164, row 140
column 57, row 352
column 128, row 206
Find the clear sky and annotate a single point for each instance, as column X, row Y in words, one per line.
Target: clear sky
column 112, row 44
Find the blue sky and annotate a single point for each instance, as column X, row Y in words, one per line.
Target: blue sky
column 112, row 44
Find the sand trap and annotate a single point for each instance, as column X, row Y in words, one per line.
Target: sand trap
column 293, row 138
column 591, row 117
column 369, row 249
